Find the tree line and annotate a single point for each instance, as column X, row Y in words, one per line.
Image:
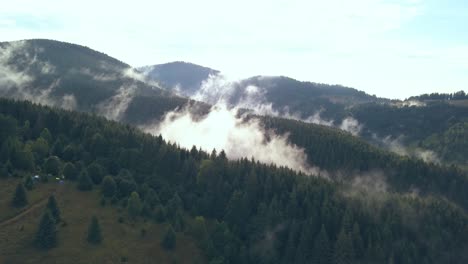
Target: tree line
column 238, row 211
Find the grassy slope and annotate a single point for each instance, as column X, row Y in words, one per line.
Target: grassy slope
column 120, row 239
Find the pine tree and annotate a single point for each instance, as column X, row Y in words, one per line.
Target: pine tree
column 94, row 231
column 343, row 252
column 84, row 182
column 169, row 240
column 134, row 205
column 69, row 171
column 160, row 214
column 322, row 250
column 53, row 208
column 19, row 197
column 46, row 236
column 28, row 182
column 108, row 186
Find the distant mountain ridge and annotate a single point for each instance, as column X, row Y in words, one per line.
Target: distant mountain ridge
column 75, row 77
column 187, row 77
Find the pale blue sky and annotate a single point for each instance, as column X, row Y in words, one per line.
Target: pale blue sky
column 391, row 48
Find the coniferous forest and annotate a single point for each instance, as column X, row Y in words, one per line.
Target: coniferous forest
column 235, row 211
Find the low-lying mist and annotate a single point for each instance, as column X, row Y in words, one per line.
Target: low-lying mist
column 224, row 129
column 235, row 94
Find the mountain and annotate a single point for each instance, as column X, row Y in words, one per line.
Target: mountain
column 78, row 78
column 158, row 202
column 180, row 76
column 285, row 95
column 430, row 126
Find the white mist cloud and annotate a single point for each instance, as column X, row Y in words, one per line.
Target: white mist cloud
column 397, row 146
column 218, row 90
column 17, row 60
column 351, row 125
column 115, row 107
column 9, row 75
column 223, row 129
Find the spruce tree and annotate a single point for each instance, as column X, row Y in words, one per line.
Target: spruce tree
column 169, row 239
column 84, row 181
column 321, row 250
column 69, row 171
column 28, row 182
column 46, row 236
column 160, row 214
column 108, row 186
column 19, row 197
column 343, row 251
column 134, row 205
column 94, row 231
column 53, row 208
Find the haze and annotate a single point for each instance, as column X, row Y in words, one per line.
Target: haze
column 392, row 49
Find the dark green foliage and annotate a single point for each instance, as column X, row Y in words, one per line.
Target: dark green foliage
column 258, row 213
column 9, row 127
column 96, row 172
column 322, row 249
column 40, row 148
column 343, row 251
column 19, row 197
column 70, row 172
column 108, row 186
column 84, row 181
column 168, row 241
column 54, row 209
column 52, row 166
column 45, row 134
column 22, row 159
column 94, row 231
column 160, row 214
column 134, row 205
column 3, row 171
column 46, row 235
column 28, row 182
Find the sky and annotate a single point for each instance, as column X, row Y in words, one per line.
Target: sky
column 390, row 48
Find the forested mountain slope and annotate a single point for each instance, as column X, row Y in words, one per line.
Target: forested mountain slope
column 181, row 77
column 78, row 78
column 236, row 211
column 437, row 126
column 430, row 126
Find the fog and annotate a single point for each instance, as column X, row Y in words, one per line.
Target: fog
column 224, row 129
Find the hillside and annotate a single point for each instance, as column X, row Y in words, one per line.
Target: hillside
column 285, row 94
column 121, row 241
column 182, row 77
column 437, row 126
column 417, row 127
column 236, row 211
column 74, row 77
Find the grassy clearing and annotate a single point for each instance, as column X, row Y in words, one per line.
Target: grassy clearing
column 123, row 242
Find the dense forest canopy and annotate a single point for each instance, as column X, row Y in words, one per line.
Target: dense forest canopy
column 246, row 212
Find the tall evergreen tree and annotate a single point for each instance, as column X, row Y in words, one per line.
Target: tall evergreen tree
column 53, row 208
column 52, row 165
column 321, row 250
column 19, row 197
column 46, row 236
column 108, row 186
column 69, row 171
column 134, row 205
column 84, row 181
column 94, row 231
column 169, row 239
column 28, row 182
column 343, row 252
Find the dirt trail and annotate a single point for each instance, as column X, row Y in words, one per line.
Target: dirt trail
column 23, row 213
column 27, row 211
